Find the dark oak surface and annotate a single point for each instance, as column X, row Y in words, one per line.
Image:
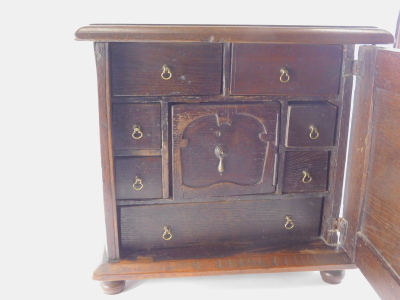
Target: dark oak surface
column 376, row 173
column 256, row 69
column 147, row 116
column 380, row 275
column 136, row 69
column 248, row 135
column 261, row 221
column 107, row 161
column 380, row 223
column 301, row 116
column 234, row 34
column 148, row 169
column 314, row 162
column 359, row 146
column 397, row 34
column 234, row 259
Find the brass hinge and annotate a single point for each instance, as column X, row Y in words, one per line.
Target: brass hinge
column 337, row 232
column 358, row 68
column 340, row 225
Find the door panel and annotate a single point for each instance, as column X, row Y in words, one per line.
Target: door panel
column 222, row 150
column 377, row 174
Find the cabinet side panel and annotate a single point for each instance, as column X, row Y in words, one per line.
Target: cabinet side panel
column 107, row 162
column 359, row 144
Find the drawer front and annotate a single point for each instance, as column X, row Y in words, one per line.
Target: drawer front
column 305, row 171
column 166, row 69
column 175, row 225
column 136, row 126
column 311, row 125
column 222, row 150
column 138, row 177
column 306, row 69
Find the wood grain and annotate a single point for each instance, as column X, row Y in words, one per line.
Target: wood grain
column 136, row 69
column 101, row 51
column 260, row 221
column 234, row 34
column 387, row 71
column 301, row 116
column 315, row 162
column 224, row 98
column 249, row 134
column 397, row 35
column 359, row 147
column 272, row 196
column 314, row 255
column 337, row 157
column 379, row 274
column 166, row 150
column 256, row 69
column 149, row 169
column 147, row 116
column 380, row 221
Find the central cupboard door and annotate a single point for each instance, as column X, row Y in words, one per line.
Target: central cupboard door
column 224, row 150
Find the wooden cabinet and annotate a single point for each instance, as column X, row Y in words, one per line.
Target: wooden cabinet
column 224, row 151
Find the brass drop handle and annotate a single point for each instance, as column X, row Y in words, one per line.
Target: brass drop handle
column 137, row 133
column 306, row 177
column 167, row 235
column 284, row 75
column 289, row 222
column 221, row 151
column 314, row 134
column 138, row 184
column 166, row 73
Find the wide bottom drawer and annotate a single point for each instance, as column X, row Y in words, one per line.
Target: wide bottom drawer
column 176, row 225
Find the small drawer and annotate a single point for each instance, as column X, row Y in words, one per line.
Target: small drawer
column 311, row 125
column 166, row 69
column 261, row 221
column 138, row 177
column 305, row 171
column 136, row 126
column 281, row 69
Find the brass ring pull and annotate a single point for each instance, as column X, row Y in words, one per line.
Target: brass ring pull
column 289, row 222
column 314, row 134
column 138, row 184
column 284, row 75
column 166, row 73
column 137, row 133
column 167, row 235
column 306, row 177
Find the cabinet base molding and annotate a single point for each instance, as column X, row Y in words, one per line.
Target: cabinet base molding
column 315, row 257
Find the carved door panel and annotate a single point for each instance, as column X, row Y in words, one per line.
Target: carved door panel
column 224, row 150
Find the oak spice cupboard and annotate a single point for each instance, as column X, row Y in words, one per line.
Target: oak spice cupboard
column 224, row 151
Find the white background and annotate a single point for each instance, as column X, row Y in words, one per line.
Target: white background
column 52, row 226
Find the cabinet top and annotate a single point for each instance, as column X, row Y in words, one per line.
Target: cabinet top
column 234, row 34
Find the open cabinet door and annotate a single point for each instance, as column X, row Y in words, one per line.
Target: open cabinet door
column 372, row 194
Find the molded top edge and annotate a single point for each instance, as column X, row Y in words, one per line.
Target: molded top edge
column 234, row 34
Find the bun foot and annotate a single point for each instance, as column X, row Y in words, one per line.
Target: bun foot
column 112, row 287
column 333, row 277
